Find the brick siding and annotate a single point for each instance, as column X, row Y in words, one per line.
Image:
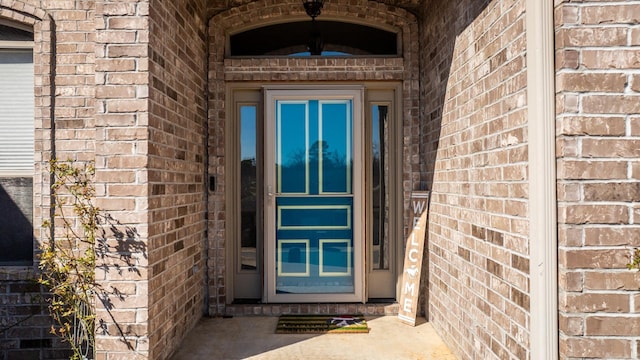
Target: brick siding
column 597, row 107
column 121, row 82
column 474, row 146
column 127, row 89
column 70, row 77
column 176, row 152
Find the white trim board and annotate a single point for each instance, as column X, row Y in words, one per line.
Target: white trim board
column 543, row 243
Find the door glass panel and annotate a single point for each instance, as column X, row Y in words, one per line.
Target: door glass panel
column 380, row 230
column 334, row 149
column 292, row 147
column 314, row 202
column 248, row 188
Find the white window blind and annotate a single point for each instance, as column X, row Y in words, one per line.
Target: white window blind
column 16, row 112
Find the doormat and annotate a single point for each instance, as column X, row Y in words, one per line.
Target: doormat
column 321, row 324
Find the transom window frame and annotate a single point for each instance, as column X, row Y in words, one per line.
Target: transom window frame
column 304, row 19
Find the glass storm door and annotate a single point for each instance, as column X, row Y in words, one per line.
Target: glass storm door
column 313, row 201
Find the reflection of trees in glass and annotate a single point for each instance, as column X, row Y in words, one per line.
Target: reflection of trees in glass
column 248, row 214
column 334, row 166
column 248, row 186
column 248, row 179
column 298, row 158
column 380, row 240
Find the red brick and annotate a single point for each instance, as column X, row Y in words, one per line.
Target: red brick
column 590, row 303
column 635, row 124
column 118, row 9
column 567, row 59
column 128, row 78
column 635, row 170
column 598, row 126
column 595, row 82
column 566, row 15
column 611, row 236
column 611, row 14
column 612, row 326
column 570, row 325
column 571, row 281
column 128, row 23
column 610, row 148
column 591, row 169
column 590, row 36
column 569, row 236
column 116, row 51
column 594, row 259
column 595, row 348
column 610, row 59
column 611, row 104
column 594, row 214
column 635, row 36
column 627, row 280
column 116, row 92
column 125, row 106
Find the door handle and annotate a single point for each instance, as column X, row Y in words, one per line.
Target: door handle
column 270, row 191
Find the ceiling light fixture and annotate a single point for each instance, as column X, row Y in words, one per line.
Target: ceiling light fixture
column 313, row 9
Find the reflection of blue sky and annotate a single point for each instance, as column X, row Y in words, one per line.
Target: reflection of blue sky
column 334, row 129
column 247, row 132
column 324, row 53
column 291, row 146
column 375, row 127
column 336, row 134
column 293, row 132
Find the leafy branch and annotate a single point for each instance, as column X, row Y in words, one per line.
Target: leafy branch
column 635, row 261
column 82, row 239
column 68, row 259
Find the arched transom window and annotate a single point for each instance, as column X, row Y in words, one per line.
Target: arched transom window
column 294, row 39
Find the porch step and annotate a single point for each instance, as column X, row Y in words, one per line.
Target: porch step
column 368, row 309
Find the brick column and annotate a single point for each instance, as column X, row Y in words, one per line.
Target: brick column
column 122, row 82
column 598, row 112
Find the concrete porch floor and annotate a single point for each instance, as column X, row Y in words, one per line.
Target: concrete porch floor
column 254, row 337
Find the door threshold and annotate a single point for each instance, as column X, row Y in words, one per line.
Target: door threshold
column 374, row 308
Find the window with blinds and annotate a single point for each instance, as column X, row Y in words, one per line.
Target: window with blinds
column 16, row 112
column 16, row 145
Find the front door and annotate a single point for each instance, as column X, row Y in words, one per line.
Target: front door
column 313, row 195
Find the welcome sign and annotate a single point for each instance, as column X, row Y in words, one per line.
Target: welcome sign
column 413, row 259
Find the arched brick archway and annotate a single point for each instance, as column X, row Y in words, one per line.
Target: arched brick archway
column 403, row 68
column 215, row 7
column 21, row 11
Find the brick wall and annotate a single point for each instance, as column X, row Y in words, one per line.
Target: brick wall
column 474, row 146
column 66, row 30
column 129, row 95
column 598, row 103
column 176, row 171
column 24, row 319
column 100, row 78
